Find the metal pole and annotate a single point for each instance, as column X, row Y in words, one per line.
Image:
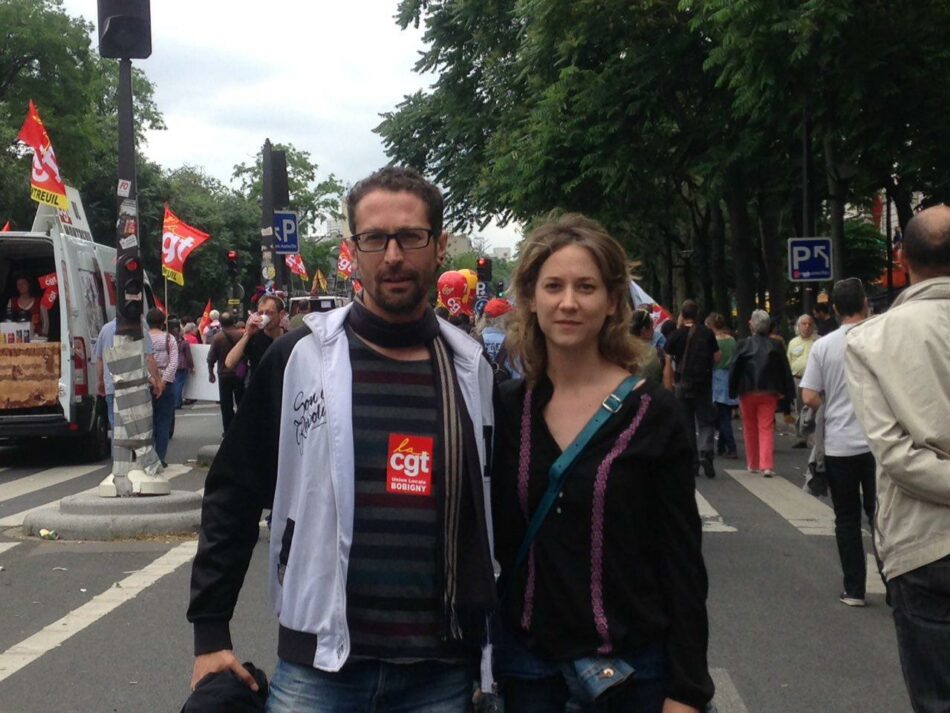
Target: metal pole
column 127, row 226
column 807, row 230
column 268, row 263
column 890, row 250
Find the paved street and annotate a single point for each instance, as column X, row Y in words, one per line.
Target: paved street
column 99, row 627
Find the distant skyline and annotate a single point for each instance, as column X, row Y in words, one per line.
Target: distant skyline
column 315, row 75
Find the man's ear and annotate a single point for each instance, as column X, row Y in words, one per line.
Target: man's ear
column 441, row 247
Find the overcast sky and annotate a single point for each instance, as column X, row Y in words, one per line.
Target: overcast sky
column 313, row 74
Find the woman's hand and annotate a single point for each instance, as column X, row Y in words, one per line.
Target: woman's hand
column 671, row 706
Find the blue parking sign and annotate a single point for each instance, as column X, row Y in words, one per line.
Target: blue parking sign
column 285, row 232
column 809, row 259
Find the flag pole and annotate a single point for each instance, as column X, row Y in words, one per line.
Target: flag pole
column 166, row 302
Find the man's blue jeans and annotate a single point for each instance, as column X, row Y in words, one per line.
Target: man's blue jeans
column 163, row 410
column 921, row 603
column 181, row 376
column 370, row 686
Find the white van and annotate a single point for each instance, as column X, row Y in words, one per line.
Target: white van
column 48, row 388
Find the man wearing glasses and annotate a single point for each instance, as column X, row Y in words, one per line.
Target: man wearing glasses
column 849, row 464
column 367, row 429
column 899, row 373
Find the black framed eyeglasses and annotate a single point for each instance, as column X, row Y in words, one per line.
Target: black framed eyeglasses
column 376, row 241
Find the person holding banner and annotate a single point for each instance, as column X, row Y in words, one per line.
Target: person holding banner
column 25, row 302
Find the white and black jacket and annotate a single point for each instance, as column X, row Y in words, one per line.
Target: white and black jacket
column 291, row 444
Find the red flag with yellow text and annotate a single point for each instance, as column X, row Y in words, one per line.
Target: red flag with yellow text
column 178, row 240
column 295, row 263
column 46, row 185
column 344, row 263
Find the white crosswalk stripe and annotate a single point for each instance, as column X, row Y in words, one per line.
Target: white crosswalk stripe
column 712, row 520
column 802, row 511
column 873, row 583
column 44, row 479
column 727, row 698
column 7, row 546
column 16, row 519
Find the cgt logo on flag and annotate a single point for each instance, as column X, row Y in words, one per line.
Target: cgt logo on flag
column 178, row 240
column 46, row 185
column 409, row 465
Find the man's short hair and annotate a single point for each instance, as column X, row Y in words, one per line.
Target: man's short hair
column 823, row 308
column 926, row 242
column 226, row 319
column 398, row 179
column 760, row 322
column 690, row 310
column 278, row 302
column 849, row 296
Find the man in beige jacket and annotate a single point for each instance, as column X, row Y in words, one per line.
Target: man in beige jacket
column 899, row 376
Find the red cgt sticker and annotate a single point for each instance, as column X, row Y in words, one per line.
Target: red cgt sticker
column 409, row 465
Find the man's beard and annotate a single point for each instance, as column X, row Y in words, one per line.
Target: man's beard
column 402, row 303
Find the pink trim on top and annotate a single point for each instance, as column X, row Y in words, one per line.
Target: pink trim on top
column 597, row 529
column 524, row 462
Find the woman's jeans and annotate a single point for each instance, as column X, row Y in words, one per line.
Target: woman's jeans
column 163, row 410
column 727, row 440
column 758, row 426
column 371, row 686
column 181, row 376
column 533, row 685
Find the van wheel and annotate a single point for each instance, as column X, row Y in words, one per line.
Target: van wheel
column 95, row 444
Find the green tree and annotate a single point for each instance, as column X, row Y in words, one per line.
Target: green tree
column 314, row 200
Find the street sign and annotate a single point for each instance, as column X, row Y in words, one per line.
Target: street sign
column 809, row 259
column 480, row 305
column 285, row 233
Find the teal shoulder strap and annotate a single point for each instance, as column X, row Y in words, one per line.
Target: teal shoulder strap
column 558, row 473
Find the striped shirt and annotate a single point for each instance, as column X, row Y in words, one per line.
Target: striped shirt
column 394, row 591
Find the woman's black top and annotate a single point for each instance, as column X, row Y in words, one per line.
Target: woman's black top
column 760, row 364
column 617, row 564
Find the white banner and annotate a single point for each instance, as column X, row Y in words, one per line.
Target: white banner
column 197, row 385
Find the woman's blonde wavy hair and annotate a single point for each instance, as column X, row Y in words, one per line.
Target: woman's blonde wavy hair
column 526, row 340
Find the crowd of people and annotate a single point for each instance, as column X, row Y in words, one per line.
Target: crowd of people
column 515, row 513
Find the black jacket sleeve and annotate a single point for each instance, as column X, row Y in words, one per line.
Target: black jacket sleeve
column 683, row 579
column 240, row 484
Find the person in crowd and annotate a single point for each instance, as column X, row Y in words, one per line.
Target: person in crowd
column 368, row 431
column 301, row 310
column 775, row 333
column 655, row 363
column 186, row 363
column 230, row 379
column 825, row 323
column 214, row 326
column 760, row 378
column 165, row 351
column 190, row 333
column 461, row 321
column 798, row 350
column 104, row 381
column 26, row 306
column 849, row 463
column 666, row 329
column 695, row 352
column 724, row 403
column 901, row 398
column 492, row 335
column 263, row 327
column 616, row 569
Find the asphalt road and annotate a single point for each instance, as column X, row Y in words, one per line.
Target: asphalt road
column 73, row 641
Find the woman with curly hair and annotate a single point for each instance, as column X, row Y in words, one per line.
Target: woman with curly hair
column 612, row 580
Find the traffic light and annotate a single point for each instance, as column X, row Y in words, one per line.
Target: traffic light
column 483, row 269
column 131, row 297
column 232, row 263
column 125, row 29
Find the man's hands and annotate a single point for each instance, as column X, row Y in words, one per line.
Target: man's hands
column 211, row 375
column 158, row 388
column 217, row 662
column 254, row 324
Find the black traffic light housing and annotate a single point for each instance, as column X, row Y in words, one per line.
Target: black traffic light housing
column 483, row 269
column 131, row 293
column 125, row 29
column 233, row 269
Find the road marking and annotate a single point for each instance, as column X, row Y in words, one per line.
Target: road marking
column 195, row 415
column 44, row 479
column 5, row 546
column 873, row 584
column 16, row 519
column 712, row 520
column 27, row 651
column 804, row 512
column 727, row 698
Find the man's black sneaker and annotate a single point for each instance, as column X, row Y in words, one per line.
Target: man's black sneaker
column 708, row 468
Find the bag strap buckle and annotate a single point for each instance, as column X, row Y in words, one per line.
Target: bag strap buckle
column 612, row 403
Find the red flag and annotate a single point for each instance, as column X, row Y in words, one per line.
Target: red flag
column 205, row 320
column 5, row 228
column 50, row 286
column 344, row 263
column 46, row 185
column 160, row 305
column 178, row 240
column 295, row 263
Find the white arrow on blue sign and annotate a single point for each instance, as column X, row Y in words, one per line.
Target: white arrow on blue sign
column 809, row 259
column 286, row 241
